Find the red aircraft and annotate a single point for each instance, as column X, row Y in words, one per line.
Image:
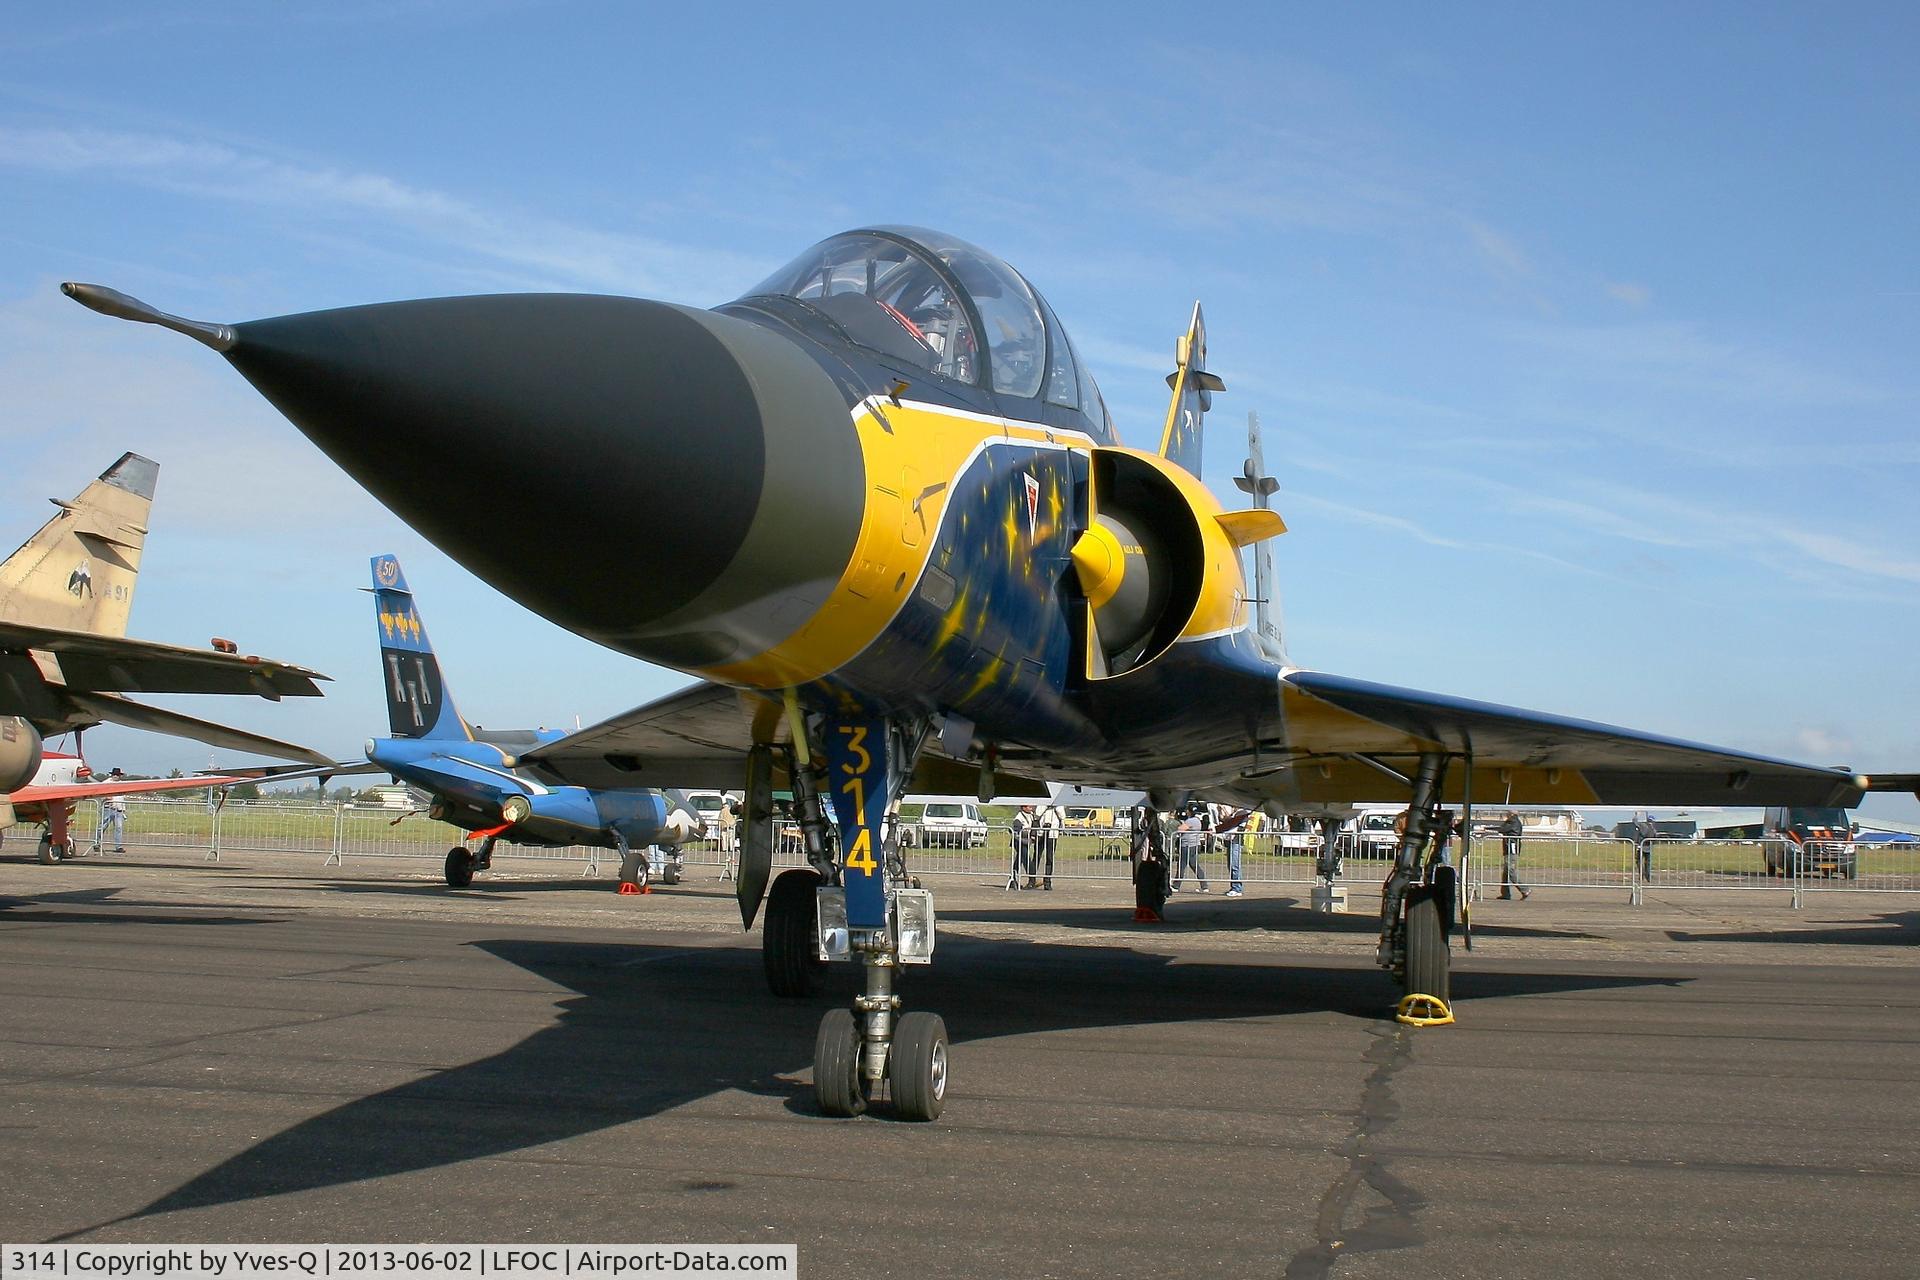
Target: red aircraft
column 63, row 780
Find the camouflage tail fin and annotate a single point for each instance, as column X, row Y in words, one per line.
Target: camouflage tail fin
column 418, row 705
column 1193, row 389
column 77, row 573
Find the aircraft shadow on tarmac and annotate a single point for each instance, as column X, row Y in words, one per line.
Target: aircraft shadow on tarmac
column 71, row 908
column 1894, row 928
column 500, row 890
column 650, row 1028
column 1193, row 913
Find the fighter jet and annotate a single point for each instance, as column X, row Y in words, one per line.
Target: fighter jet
column 469, row 771
column 881, row 494
column 65, row 659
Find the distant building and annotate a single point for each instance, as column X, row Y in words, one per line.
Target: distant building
column 390, row 796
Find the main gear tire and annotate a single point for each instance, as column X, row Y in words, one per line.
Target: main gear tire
column 459, row 868
column 917, row 1066
column 837, row 1086
column 789, row 948
column 1428, row 962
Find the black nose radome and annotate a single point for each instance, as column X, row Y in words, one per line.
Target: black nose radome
column 640, row 472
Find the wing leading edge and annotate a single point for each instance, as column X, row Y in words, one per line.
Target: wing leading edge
column 1337, row 725
column 115, row 664
column 121, row 787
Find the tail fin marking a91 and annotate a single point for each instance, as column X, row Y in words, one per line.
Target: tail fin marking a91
column 76, row 573
column 417, row 701
column 1193, row 389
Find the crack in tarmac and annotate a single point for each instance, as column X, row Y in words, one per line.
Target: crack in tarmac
column 1388, row 1225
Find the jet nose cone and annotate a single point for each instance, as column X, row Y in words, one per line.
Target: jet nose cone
column 636, row 471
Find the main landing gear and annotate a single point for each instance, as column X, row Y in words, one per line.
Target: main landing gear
column 847, row 905
column 635, row 869
column 463, row 862
column 1418, row 905
column 57, row 841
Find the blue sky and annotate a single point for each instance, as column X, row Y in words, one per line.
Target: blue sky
column 1583, row 341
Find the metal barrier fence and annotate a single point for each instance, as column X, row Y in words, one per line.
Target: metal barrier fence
column 338, row 832
column 1669, row 864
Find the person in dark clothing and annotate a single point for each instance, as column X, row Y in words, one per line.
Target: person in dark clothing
column 1511, row 831
column 1046, row 832
column 1024, row 835
column 1644, row 832
column 1148, row 849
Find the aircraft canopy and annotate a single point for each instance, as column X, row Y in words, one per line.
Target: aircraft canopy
column 944, row 304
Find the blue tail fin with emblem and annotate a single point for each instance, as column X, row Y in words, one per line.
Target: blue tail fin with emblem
column 1193, row 389
column 418, row 705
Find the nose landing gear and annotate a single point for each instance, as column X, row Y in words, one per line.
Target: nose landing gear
column 855, row 901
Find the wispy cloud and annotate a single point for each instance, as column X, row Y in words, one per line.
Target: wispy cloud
column 557, row 253
column 1675, row 356
column 1420, row 533
column 1634, row 295
column 1764, row 530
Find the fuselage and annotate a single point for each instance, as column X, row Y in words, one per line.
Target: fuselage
column 475, row 787
column 864, row 481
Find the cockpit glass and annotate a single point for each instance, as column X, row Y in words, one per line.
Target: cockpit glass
column 1092, row 403
column 1063, row 382
column 1016, row 340
column 886, row 298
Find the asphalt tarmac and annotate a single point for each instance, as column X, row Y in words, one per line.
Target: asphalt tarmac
column 264, row 1049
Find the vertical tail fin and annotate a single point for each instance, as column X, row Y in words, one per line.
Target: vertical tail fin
column 418, row 705
column 1193, row 389
column 77, row 573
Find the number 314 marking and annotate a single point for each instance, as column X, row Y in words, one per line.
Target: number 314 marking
column 860, row 855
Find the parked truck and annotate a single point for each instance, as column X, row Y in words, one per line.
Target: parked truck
column 1805, row 842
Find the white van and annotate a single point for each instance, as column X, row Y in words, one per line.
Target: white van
column 708, row 805
column 1374, row 835
column 946, row 824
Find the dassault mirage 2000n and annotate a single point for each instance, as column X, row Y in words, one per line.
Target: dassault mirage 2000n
column 469, row 771
column 881, row 495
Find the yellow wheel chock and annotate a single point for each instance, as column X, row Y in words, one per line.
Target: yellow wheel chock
column 1422, row 1011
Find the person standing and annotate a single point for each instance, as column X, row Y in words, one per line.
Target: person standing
column 1191, row 837
column 1511, row 831
column 1445, row 827
column 113, row 816
column 1021, row 850
column 1233, row 826
column 1052, row 822
column 1148, row 848
column 1644, row 832
column 729, row 824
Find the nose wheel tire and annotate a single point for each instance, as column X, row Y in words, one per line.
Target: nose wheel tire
column 788, row 947
column 459, row 867
column 1428, row 963
column 48, row 854
column 837, row 1086
column 917, row 1066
